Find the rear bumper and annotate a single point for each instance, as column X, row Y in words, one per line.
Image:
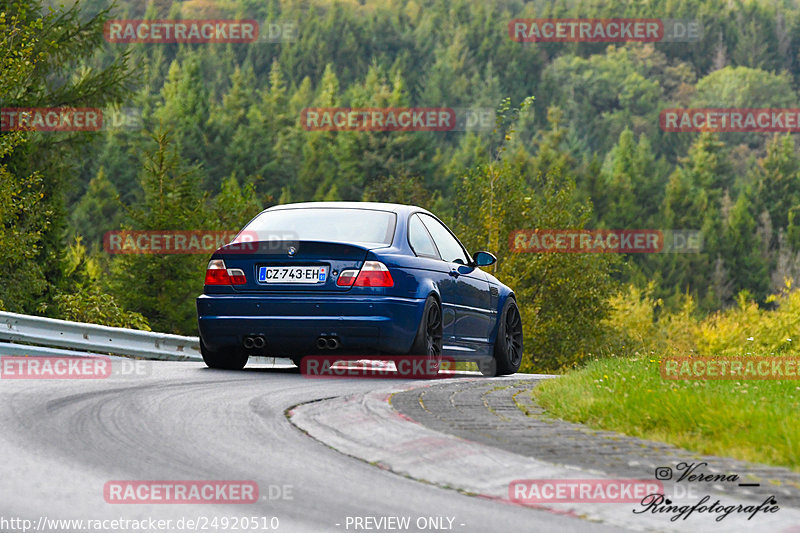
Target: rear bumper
column 292, row 324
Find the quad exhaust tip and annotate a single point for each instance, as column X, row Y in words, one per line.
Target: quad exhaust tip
column 327, row 343
column 256, row 341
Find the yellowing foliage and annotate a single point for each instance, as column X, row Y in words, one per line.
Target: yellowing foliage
column 635, row 325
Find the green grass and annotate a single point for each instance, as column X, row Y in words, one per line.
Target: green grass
column 749, row 420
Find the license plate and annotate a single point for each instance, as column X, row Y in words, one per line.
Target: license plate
column 302, row 274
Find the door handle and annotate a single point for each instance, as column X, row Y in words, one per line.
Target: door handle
column 454, row 273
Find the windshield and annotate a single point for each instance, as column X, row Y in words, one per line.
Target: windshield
column 325, row 224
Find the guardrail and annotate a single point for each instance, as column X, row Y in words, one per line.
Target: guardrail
column 92, row 338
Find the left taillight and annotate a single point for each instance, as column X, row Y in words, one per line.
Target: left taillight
column 218, row 274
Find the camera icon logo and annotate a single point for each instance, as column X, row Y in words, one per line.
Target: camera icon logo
column 663, row 473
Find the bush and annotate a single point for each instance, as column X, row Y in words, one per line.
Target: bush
column 80, row 296
column 635, row 326
column 89, row 304
column 638, row 324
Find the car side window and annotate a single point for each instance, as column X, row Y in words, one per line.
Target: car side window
column 420, row 240
column 449, row 247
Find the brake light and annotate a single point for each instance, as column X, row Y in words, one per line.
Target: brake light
column 374, row 274
column 218, row 274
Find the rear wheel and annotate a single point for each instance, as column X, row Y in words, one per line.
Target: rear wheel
column 231, row 359
column 428, row 341
column 508, row 345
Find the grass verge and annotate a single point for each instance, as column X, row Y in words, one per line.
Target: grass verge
column 749, row 420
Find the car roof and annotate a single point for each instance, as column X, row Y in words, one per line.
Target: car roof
column 379, row 206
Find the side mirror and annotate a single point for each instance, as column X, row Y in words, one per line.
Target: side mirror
column 483, row 259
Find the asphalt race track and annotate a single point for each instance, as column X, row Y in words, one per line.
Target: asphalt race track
column 62, row 440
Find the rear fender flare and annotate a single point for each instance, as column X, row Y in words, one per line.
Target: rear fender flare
column 427, row 288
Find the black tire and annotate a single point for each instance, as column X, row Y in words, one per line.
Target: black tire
column 428, row 341
column 297, row 360
column 232, row 359
column 508, row 344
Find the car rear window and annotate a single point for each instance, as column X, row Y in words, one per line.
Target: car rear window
column 326, row 224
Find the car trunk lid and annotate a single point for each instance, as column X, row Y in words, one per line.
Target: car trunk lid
column 290, row 266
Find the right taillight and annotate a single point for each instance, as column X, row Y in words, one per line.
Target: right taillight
column 372, row 274
column 218, row 274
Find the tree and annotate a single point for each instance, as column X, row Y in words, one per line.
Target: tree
column 162, row 287
column 752, row 47
column 741, row 251
column 621, row 206
column 744, row 87
column 692, row 202
column 235, row 205
column 185, row 111
column 605, row 93
column 319, row 167
column 366, row 156
column 227, row 119
column 39, row 58
column 777, row 179
column 447, row 83
column 401, row 190
column 632, row 189
column 260, row 148
column 97, row 211
column 562, row 297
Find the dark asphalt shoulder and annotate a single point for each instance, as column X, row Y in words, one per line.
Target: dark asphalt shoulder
column 505, row 416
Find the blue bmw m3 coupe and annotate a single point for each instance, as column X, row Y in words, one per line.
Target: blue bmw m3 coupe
column 355, row 278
